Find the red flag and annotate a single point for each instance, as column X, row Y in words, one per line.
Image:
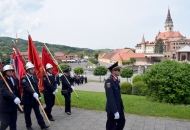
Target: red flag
column 35, row 59
column 1, row 65
column 19, row 55
column 21, row 71
column 47, row 59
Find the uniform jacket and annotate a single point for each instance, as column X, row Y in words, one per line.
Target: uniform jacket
column 49, row 88
column 28, row 92
column 114, row 102
column 65, row 84
column 6, row 97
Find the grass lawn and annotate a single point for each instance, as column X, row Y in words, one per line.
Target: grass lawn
column 133, row 105
column 90, row 63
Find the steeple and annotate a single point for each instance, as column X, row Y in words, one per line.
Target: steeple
column 168, row 23
column 143, row 40
column 168, row 19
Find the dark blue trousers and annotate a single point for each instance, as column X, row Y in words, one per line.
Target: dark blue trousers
column 27, row 113
column 8, row 119
column 115, row 124
column 50, row 101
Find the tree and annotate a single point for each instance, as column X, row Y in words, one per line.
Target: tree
column 126, row 62
column 126, row 73
column 100, row 71
column 132, row 60
column 158, row 48
column 64, row 66
column 168, row 81
column 96, row 56
column 94, row 61
column 78, row 70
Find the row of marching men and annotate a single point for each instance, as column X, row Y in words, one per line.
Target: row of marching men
column 31, row 95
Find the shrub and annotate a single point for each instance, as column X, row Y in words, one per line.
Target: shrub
column 169, row 81
column 139, row 88
column 126, row 73
column 78, row 70
column 126, row 88
column 137, row 78
column 64, row 66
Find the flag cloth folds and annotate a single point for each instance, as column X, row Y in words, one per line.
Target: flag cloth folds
column 47, row 59
column 35, row 59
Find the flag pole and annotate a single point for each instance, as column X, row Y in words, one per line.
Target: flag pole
column 10, row 90
column 19, row 51
column 59, row 67
column 38, row 100
column 54, row 94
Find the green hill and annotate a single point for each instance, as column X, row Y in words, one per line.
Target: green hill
column 6, row 46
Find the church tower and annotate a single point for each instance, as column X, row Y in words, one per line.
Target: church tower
column 143, row 45
column 169, row 23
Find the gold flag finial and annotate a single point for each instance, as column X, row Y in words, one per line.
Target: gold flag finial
column 16, row 38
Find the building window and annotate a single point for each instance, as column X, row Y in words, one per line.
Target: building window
column 174, row 47
column 174, row 43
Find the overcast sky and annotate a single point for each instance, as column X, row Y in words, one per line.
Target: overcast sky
column 94, row 24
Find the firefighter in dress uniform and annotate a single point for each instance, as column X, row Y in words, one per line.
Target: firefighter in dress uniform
column 67, row 88
column 50, row 89
column 30, row 97
column 8, row 100
column 114, row 104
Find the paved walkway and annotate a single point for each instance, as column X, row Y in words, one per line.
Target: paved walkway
column 96, row 120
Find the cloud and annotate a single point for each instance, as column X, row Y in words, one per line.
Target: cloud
column 15, row 16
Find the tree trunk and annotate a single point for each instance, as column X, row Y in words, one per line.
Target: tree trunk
column 100, row 78
column 127, row 79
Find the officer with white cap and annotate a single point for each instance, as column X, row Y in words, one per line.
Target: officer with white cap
column 30, row 97
column 8, row 100
column 50, row 89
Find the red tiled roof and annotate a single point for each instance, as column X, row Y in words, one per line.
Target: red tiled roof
column 59, row 54
column 132, row 55
column 24, row 53
column 164, row 35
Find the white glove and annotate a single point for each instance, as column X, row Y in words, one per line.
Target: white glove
column 17, row 100
column 73, row 87
column 116, row 115
column 35, row 95
column 60, row 74
column 71, row 74
column 39, row 98
column 56, row 91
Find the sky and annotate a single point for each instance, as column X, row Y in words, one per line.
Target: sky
column 94, row 24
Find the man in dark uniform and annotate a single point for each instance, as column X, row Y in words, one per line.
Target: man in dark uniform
column 30, row 98
column 50, row 89
column 8, row 100
column 67, row 89
column 114, row 104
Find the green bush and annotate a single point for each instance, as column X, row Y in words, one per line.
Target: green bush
column 137, row 78
column 64, row 66
column 126, row 88
column 126, row 73
column 139, row 88
column 78, row 70
column 169, row 81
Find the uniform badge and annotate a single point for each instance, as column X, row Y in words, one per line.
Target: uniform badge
column 24, row 80
column 108, row 85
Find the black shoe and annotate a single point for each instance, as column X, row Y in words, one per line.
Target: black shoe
column 51, row 119
column 30, row 128
column 68, row 113
column 44, row 127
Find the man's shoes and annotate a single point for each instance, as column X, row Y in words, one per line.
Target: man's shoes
column 44, row 127
column 30, row 128
column 68, row 113
column 51, row 119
